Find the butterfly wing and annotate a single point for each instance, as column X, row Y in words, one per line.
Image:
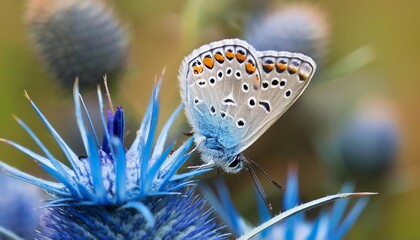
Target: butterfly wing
column 284, row 77
column 234, row 93
column 213, row 79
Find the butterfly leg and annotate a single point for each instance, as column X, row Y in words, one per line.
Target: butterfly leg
column 198, row 142
column 209, row 164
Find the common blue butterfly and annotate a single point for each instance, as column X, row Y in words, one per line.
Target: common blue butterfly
column 233, row 93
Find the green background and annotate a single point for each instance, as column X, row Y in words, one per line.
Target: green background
column 163, row 32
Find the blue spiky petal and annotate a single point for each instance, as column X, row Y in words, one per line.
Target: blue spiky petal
column 332, row 224
column 114, row 192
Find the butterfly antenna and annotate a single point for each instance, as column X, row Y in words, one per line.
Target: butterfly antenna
column 268, row 176
column 258, row 185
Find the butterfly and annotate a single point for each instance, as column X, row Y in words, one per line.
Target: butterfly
column 233, row 93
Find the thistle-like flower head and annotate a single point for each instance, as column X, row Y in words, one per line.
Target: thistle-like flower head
column 77, row 39
column 295, row 27
column 116, row 193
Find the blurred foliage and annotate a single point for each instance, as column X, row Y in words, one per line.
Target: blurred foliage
column 163, row 32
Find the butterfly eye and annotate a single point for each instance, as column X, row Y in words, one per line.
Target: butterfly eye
column 235, row 162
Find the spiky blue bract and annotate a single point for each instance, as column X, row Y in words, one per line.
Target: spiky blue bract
column 332, row 224
column 116, row 193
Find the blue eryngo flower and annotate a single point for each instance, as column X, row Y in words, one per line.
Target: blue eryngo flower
column 368, row 143
column 114, row 193
column 77, row 39
column 299, row 28
column 333, row 224
column 20, row 207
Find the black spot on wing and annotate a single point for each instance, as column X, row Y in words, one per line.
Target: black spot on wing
column 265, row 105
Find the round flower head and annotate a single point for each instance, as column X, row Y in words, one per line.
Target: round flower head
column 368, row 143
column 77, row 39
column 300, row 28
column 114, row 193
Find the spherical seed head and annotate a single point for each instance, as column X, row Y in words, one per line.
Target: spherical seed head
column 301, row 28
column 77, row 39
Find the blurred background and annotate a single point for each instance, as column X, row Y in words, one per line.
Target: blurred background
column 356, row 122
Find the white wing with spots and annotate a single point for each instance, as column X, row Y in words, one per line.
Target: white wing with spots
column 234, row 93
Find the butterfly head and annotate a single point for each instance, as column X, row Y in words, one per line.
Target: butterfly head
column 234, row 164
column 227, row 162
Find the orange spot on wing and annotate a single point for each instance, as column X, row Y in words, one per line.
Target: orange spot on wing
column 241, row 58
column 303, row 76
column 292, row 69
column 250, row 68
column 219, row 57
column 268, row 67
column 197, row 69
column 208, row 62
column 230, row 55
column 281, row 67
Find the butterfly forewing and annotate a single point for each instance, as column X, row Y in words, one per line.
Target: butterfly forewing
column 213, row 79
column 233, row 93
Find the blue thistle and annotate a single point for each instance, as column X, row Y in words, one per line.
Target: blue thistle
column 114, row 193
column 328, row 225
column 368, row 143
column 365, row 144
column 77, row 39
column 299, row 28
